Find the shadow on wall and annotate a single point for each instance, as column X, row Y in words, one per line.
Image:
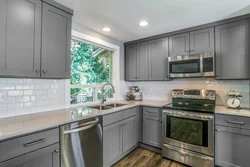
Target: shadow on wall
column 243, row 11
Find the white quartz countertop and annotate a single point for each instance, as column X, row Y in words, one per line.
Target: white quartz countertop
column 21, row 125
column 227, row 111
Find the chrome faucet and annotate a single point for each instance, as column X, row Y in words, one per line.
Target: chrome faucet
column 102, row 90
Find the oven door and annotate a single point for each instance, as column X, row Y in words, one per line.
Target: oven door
column 185, row 66
column 189, row 130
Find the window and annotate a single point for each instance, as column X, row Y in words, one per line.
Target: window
column 91, row 67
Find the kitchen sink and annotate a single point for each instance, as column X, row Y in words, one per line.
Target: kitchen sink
column 108, row 106
column 115, row 105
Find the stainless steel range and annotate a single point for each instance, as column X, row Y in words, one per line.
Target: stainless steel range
column 188, row 123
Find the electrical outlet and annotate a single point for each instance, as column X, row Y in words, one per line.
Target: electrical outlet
column 3, row 96
column 42, row 94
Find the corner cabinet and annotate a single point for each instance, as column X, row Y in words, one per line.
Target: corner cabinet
column 34, row 40
column 232, row 50
column 56, row 42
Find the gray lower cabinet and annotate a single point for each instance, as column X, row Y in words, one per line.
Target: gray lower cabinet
column 119, row 137
column 158, row 59
column 20, row 38
column 232, row 146
column 56, row 42
column 152, row 130
column 130, row 62
column 45, row 157
column 179, row 44
column 202, row 41
column 232, row 50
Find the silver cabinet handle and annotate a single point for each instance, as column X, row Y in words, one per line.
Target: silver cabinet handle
column 44, row 71
column 217, row 130
column 218, row 75
column 37, row 71
column 234, row 122
column 34, row 142
column 56, row 151
column 88, row 126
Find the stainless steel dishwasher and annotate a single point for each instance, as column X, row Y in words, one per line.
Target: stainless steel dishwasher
column 81, row 144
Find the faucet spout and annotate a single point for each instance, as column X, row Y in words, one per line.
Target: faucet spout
column 102, row 90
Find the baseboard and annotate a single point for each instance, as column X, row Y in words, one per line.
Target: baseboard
column 151, row 148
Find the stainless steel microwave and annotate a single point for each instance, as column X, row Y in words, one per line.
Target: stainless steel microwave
column 198, row 65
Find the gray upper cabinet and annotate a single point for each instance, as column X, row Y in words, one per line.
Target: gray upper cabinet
column 232, row 50
column 232, row 146
column 130, row 62
column 202, row 41
column 158, row 59
column 45, row 157
column 142, row 61
column 179, row 44
column 56, row 38
column 20, row 38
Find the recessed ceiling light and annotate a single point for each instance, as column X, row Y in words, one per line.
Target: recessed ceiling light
column 143, row 23
column 106, row 29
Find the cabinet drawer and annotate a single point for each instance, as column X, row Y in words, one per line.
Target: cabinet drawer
column 232, row 121
column 112, row 118
column 22, row 145
column 129, row 112
column 152, row 111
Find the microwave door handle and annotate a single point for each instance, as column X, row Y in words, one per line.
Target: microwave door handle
column 201, row 64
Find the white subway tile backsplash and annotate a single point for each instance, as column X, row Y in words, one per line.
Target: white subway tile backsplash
column 22, row 96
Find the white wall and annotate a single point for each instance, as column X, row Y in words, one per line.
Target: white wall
column 162, row 90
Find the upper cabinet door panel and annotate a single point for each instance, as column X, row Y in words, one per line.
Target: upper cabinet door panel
column 202, row 40
column 158, row 59
column 232, row 50
column 2, row 33
column 179, row 44
column 142, row 61
column 130, row 62
column 56, row 38
column 23, row 38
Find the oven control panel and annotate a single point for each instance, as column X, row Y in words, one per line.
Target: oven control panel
column 194, row 94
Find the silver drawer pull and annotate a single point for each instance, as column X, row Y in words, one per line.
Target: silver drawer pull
column 234, row 122
column 34, row 142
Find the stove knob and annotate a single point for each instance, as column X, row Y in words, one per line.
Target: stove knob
column 211, row 94
column 207, row 94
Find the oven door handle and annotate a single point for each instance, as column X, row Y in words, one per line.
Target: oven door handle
column 189, row 154
column 189, row 116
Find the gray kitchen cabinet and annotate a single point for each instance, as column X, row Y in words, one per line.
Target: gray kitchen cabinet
column 130, row 135
column 45, row 157
column 152, row 130
column 232, row 146
column 158, row 59
column 202, row 41
column 56, row 42
column 20, row 38
column 112, row 142
column 179, row 44
column 142, row 61
column 130, row 63
column 232, row 50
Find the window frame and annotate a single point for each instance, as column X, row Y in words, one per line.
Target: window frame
column 94, row 86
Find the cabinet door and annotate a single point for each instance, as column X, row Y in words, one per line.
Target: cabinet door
column 202, row 41
column 142, row 61
column 20, row 50
column 130, row 62
column 232, row 50
column 152, row 130
column 46, row 157
column 179, row 44
column 130, row 135
column 158, row 59
column 112, row 142
column 232, row 147
column 56, row 38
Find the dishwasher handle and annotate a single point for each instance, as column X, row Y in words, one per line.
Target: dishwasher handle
column 86, row 126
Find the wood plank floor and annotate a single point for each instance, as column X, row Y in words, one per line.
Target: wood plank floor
column 144, row 158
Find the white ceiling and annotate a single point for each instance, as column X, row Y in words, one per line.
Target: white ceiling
column 123, row 16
